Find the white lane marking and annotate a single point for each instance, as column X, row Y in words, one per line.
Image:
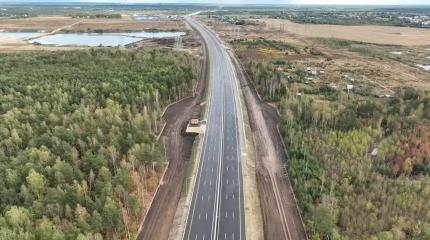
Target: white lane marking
column 202, row 197
column 233, row 214
column 199, row 177
column 206, row 216
column 227, row 181
column 203, row 153
column 222, row 55
column 220, row 170
column 226, row 214
column 199, row 216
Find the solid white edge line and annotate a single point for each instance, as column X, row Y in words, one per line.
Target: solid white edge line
column 201, row 157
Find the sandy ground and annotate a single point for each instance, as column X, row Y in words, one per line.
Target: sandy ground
column 372, row 34
column 51, row 23
column 253, row 214
column 16, row 45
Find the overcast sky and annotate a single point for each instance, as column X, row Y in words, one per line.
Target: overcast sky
column 359, row 2
column 366, row 2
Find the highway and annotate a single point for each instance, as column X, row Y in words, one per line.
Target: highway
column 217, row 207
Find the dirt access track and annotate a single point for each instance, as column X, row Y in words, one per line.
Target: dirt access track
column 281, row 215
column 159, row 219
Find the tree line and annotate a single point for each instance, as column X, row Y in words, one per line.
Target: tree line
column 359, row 163
column 77, row 130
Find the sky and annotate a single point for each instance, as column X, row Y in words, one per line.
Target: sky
column 337, row 2
column 329, row 2
column 363, row 2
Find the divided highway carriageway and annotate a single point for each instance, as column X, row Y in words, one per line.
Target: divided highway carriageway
column 217, row 207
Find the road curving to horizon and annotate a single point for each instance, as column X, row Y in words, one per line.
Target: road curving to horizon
column 217, row 207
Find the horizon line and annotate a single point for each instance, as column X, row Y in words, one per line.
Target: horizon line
column 208, row 3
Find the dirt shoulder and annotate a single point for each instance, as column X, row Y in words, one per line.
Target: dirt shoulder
column 281, row 216
column 253, row 211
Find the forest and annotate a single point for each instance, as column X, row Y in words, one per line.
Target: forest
column 77, row 137
column 384, row 17
column 359, row 163
column 337, row 15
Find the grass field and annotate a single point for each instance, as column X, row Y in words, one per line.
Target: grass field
column 372, row 34
column 87, row 25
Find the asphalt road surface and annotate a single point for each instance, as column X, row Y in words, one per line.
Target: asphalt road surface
column 216, row 210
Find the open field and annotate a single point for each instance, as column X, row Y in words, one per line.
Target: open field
column 87, row 25
column 371, row 34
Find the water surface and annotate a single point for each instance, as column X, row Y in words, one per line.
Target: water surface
column 102, row 39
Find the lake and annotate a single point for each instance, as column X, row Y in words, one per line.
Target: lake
column 92, row 39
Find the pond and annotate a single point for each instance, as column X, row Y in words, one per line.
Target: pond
column 147, row 17
column 102, row 39
column 92, row 39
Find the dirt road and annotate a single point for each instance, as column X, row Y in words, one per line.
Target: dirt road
column 55, row 31
column 159, row 219
column 281, row 216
